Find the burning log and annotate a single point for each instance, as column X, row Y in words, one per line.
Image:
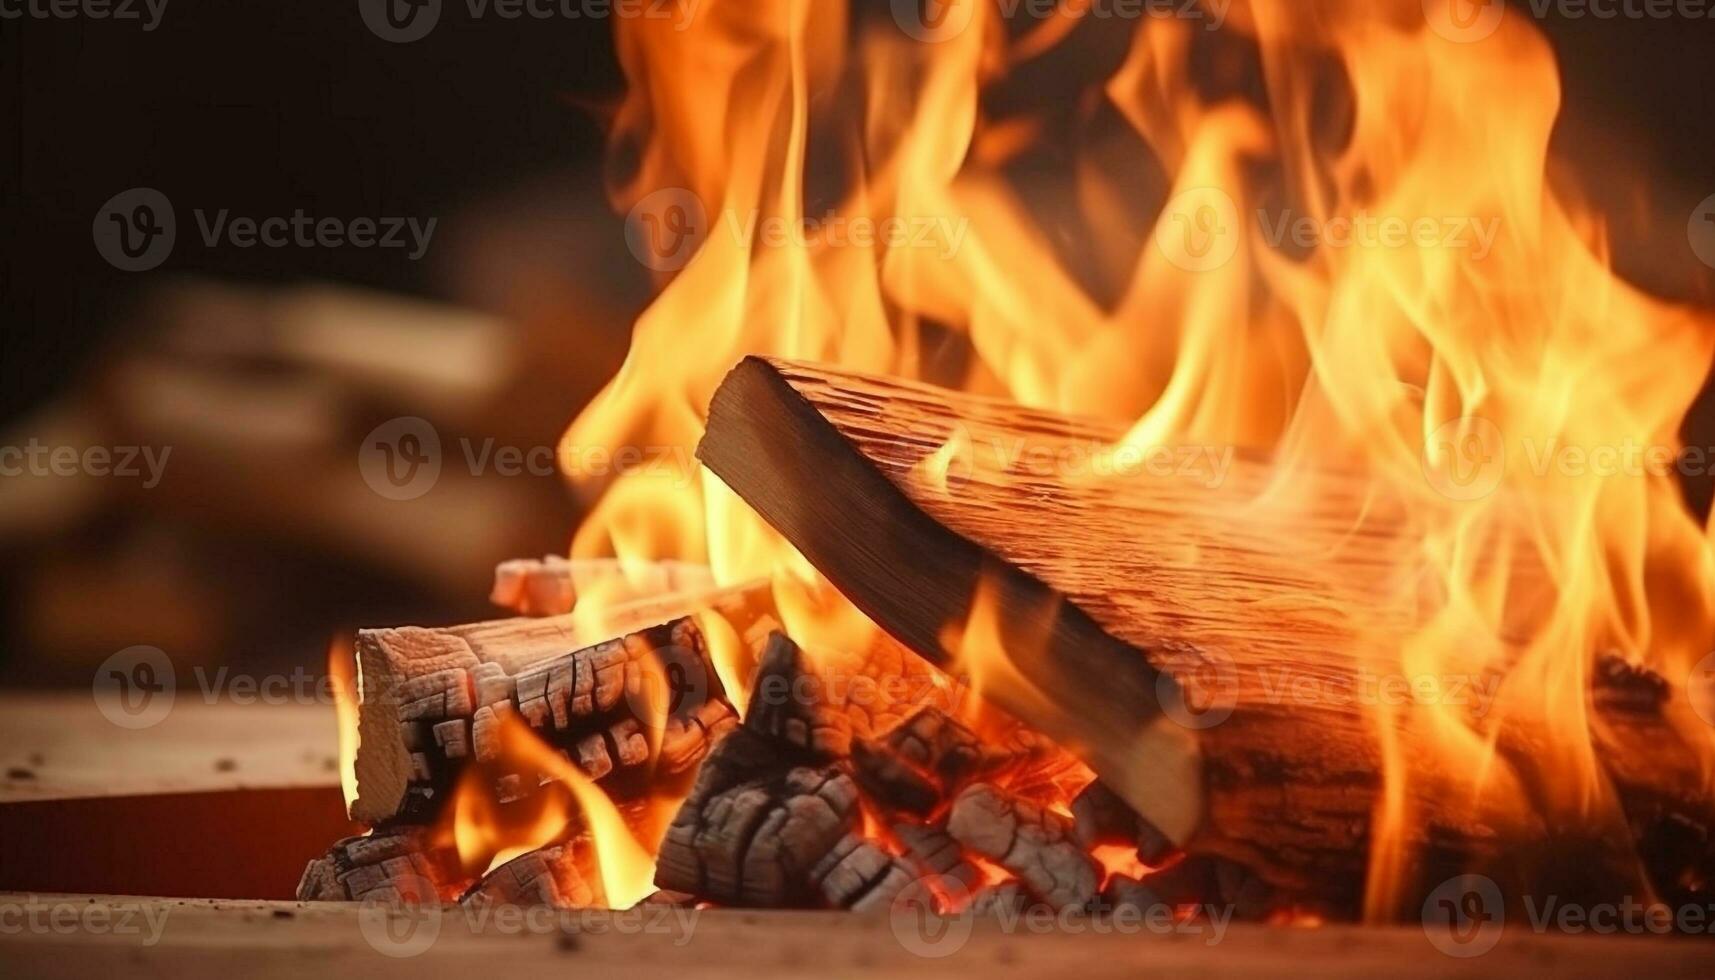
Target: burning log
column 758, row 826
column 431, row 699
column 1193, row 882
column 858, row 876
column 384, row 866
column 1032, row 843
column 1154, row 664
column 1100, row 817
column 783, row 707
column 927, row 759
column 556, row 876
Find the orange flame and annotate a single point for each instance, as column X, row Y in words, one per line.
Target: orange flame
column 1372, row 276
column 487, row 833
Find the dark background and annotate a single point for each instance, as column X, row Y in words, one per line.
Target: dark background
column 265, row 108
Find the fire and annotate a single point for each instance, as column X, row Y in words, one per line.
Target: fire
column 1373, row 276
column 569, row 806
column 342, row 674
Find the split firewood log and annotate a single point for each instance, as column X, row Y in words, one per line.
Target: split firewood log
column 430, row 699
column 1170, row 612
column 551, row 585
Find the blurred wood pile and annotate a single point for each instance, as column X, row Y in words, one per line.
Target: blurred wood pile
column 262, row 537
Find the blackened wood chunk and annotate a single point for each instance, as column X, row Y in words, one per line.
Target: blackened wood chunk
column 1246, row 894
column 1192, row 882
column 1007, row 897
column 891, row 781
column 931, row 851
column 1032, row 843
column 929, row 757
column 560, row 876
column 388, row 863
column 788, row 702
column 1100, row 817
column 1619, row 684
column 859, row 876
column 759, row 819
column 686, row 740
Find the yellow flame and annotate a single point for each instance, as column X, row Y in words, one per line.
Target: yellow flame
column 627, row 869
column 342, row 674
column 1372, row 276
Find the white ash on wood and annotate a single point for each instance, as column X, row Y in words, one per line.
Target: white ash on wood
column 760, row 819
column 391, row 865
column 431, row 699
column 1033, row 843
column 559, row 876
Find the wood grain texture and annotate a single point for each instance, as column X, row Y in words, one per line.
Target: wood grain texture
column 412, row 678
column 266, row 940
column 1272, row 611
column 60, row 746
